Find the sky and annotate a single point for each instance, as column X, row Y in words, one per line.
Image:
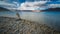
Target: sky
column 29, row 4
column 38, row 5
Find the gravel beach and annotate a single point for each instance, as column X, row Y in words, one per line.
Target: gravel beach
column 15, row 26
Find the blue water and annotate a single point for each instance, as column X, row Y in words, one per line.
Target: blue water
column 51, row 19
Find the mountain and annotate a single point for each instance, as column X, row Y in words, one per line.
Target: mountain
column 52, row 9
column 3, row 9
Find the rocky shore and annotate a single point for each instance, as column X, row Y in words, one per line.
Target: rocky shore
column 15, row 26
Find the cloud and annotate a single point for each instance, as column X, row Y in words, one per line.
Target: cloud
column 38, row 5
column 32, row 5
column 54, row 5
column 7, row 5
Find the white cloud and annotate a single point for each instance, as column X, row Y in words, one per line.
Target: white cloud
column 32, row 5
column 16, row 3
column 37, row 5
column 54, row 5
column 8, row 5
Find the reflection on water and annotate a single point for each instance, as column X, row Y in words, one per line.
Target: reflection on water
column 51, row 19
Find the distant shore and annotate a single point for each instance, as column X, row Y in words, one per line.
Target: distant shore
column 52, row 9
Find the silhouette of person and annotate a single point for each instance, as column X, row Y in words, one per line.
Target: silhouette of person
column 18, row 16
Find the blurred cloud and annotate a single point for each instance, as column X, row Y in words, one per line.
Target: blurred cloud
column 39, row 5
column 7, row 5
column 32, row 5
column 54, row 6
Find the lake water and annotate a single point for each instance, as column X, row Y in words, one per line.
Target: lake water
column 51, row 19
